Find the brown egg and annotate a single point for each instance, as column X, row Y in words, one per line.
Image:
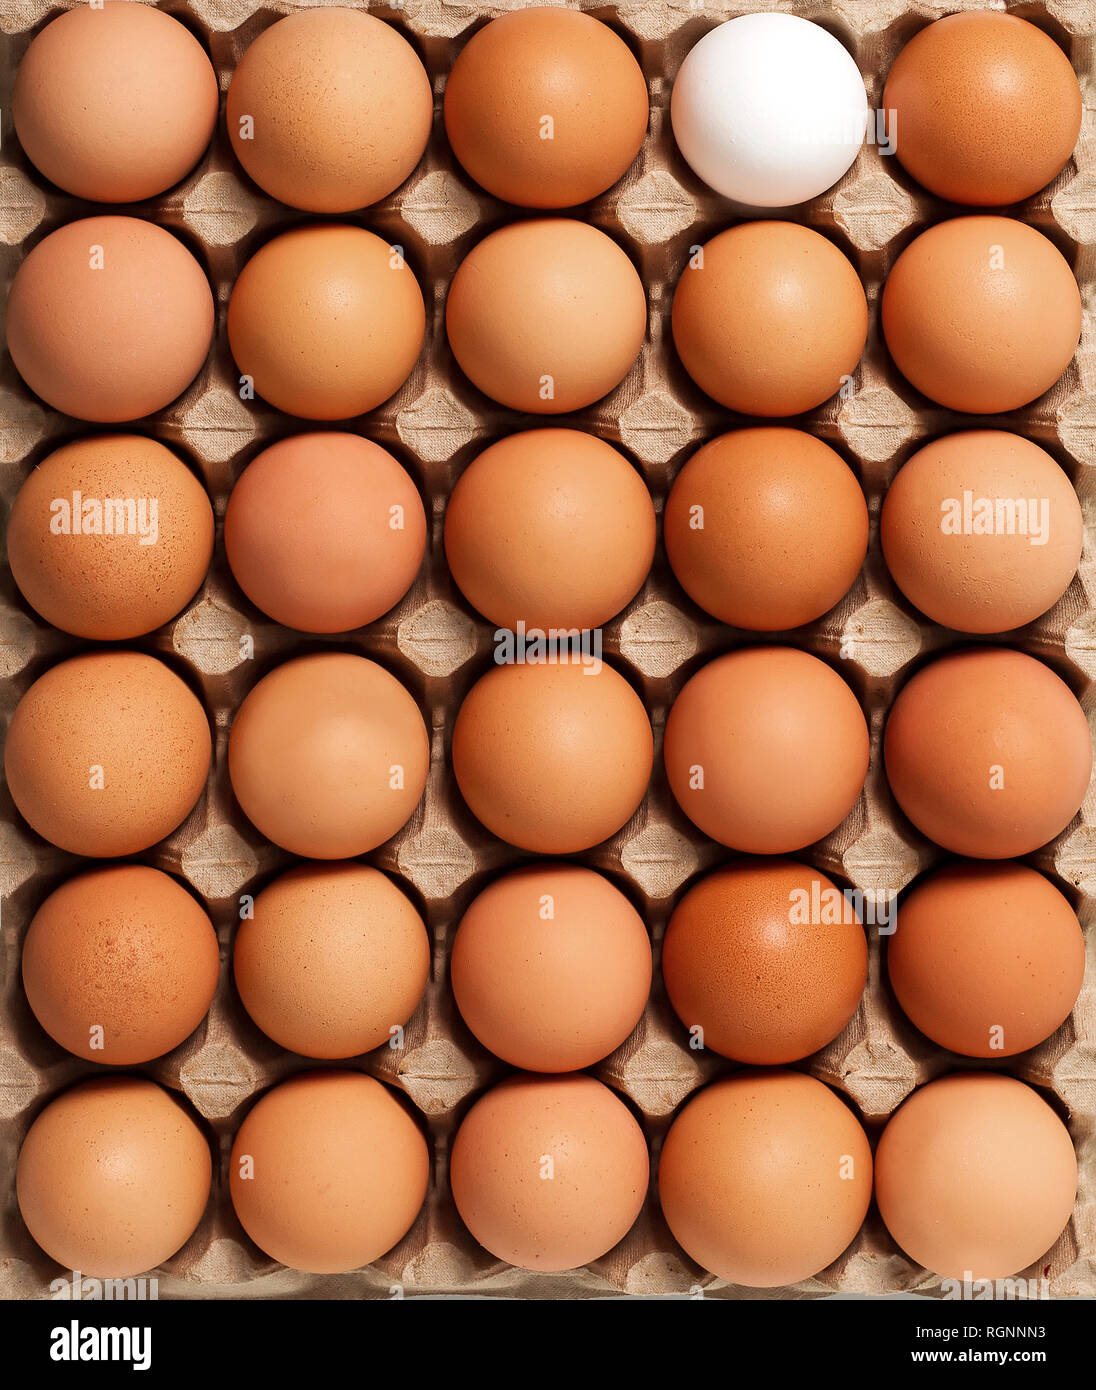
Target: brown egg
column 526, row 532
column 984, row 106
column 551, row 967
column 120, row 964
column 326, row 321
column 110, row 537
column 549, row 1172
column 115, row 103
column 987, row 959
column 333, row 959
column 325, row 532
column 328, row 1172
column 975, row 1176
column 546, row 316
column 329, row 110
column 109, row 318
column 107, row 753
column 982, row 531
column 113, row 1177
column 553, row 757
column 981, row 314
column 769, row 318
column 988, row 753
column 765, row 1178
column 764, row 962
column 546, row 107
column 766, row 749
column 766, row 528
column 328, row 755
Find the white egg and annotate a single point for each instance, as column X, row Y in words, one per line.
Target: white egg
column 769, row 109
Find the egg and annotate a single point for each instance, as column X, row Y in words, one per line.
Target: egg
column 764, row 962
column 120, row 964
column 328, row 755
column 986, row 959
column 326, row 321
column 769, row 109
column 769, row 318
column 115, row 102
column 113, row 1177
column 766, row 749
column 551, row 528
column 325, row 532
column 982, row 531
column 766, row 529
column 328, row 1172
column 549, row 1172
column 552, row 757
column 546, row 316
column 329, row 110
column 988, row 753
column 107, row 753
column 551, row 967
column 765, row 1178
column 981, row 314
column 332, row 961
column 984, row 108
column 546, row 107
column 975, row 1176
column 109, row 318
column 110, row 536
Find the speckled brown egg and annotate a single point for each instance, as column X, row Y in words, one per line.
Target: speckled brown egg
column 988, row 753
column 549, row 1172
column 328, row 1171
column 765, row 1178
column 113, row 1177
column 120, row 964
column 107, row 753
column 332, row 960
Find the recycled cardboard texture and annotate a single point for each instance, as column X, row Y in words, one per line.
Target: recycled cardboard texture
column 438, row 647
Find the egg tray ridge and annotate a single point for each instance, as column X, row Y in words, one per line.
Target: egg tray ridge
column 438, row 647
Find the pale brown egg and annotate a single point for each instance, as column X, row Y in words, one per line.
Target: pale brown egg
column 546, row 107
column 766, row 529
column 546, row 316
column 554, row 756
column 981, row 314
column 110, row 537
column 983, row 108
column 975, row 1176
column 109, row 318
column 982, row 531
column 325, row 532
column 764, row 961
column 986, row 959
column 113, row 1177
column 765, row 1178
column 988, row 753
column 328, row 755
column 766, row 749
column 120, row 964
column 549, row 1172
column 329, row 110
column 553, row 528
column 115, row 102
column 551, row 967
column 333, row 960
column 770, row 318
column 328, row 1172
column 107, row 753
column 326, row 321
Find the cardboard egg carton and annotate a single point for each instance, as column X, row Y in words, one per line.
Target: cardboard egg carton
column 438, row 647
